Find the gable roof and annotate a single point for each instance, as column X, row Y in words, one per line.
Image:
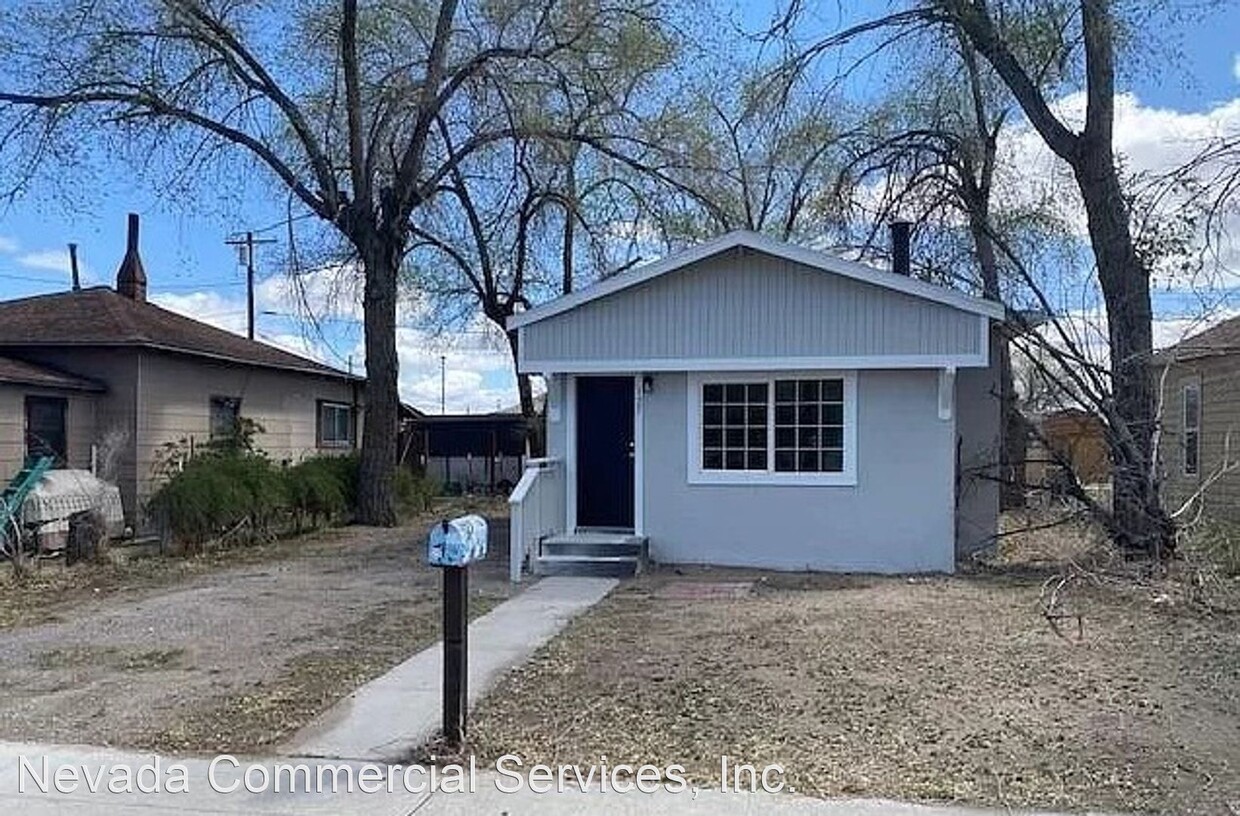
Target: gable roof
column 19, row 372
column 744, row 239
column 1223, row 338
column 99, row 316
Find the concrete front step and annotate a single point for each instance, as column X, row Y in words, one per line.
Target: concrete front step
column 593, row 552
column 616, row 566
column 597, row 545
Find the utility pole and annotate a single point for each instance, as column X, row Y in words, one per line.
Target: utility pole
column 247, row 245
column 443, row 383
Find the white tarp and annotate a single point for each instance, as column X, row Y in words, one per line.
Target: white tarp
column 62, row 493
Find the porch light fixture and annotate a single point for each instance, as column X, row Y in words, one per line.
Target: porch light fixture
column 647, row 384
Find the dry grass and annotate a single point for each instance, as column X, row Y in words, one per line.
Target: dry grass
column 935, row 688
column 226, row 652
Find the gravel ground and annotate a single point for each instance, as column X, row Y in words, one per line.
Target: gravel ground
column 218, row 656
column 931, row 688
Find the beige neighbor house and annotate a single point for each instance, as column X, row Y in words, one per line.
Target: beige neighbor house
column 104, row 380
column 1199, row 443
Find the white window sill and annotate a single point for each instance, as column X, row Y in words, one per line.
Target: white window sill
column 745, row 478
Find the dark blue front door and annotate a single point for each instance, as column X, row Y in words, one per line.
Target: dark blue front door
column 605, row 452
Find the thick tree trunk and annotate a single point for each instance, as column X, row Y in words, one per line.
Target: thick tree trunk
column 535, row 437
column 375, row 496
column 1012, row 447
column 1139, row 520
column 1013, row 436
column 524, row 389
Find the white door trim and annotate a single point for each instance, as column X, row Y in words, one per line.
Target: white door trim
column 570, row 451
column 639, row 457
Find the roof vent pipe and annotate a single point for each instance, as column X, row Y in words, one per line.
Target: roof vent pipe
column 900, row 233
column 73, row 267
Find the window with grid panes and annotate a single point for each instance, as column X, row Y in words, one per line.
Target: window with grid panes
column 735, row 424
column 809, row 426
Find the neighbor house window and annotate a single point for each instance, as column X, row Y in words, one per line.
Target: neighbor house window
column 335, row 424
column 1192, row 429
column 45, row 428
column 789, row 429
column 225, row 414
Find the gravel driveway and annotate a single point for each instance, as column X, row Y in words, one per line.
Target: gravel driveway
column 233, row 659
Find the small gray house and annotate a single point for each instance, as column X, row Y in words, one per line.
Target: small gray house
column 753, row 403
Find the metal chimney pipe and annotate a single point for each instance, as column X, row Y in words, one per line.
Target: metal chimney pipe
column 73, row 267
column 900, row 239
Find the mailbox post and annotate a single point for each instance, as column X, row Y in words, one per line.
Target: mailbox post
column 455, row 652
column 453, row 546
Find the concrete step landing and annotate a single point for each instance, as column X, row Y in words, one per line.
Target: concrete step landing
column 613, row 555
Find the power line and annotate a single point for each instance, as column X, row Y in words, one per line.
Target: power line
column 284, row 222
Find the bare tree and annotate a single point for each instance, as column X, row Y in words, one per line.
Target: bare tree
column 1014, row 38
column 361, row 112
column 742, row 152
column 930, row 154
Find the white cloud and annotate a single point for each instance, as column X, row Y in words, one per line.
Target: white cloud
column 49, row 260
column 1150, row 141
column 7, row 245
column 209, row 307
column 1235, row 67
column 53, row 260
column 478, row 371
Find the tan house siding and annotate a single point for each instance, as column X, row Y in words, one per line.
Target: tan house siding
column 1219, row 380
column 79, row 426
column 174, row 395
column 115, row 410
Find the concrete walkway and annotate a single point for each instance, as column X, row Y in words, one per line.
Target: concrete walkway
column 387, row 718
column 208, row 792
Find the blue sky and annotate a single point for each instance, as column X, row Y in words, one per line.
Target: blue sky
column 192, row 270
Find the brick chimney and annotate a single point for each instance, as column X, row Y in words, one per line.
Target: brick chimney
column 131, row 277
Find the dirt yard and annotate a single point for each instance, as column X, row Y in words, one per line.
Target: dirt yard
column 229, row 652
column 940, row 688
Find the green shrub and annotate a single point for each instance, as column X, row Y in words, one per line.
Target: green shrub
column 219, row 493
column 322, row 488
column 237, row 492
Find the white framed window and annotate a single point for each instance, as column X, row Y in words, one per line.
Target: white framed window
column 335, row 424
column 1191, row 428
column 792, row 428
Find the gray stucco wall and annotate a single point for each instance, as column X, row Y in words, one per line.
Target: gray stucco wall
column 898, row 518
column 741, row 305
column 978, row 424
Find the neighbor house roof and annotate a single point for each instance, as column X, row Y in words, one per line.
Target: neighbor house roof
column 1223, row 338
column 20, row 372
column 743, row 239
column 100, row 316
